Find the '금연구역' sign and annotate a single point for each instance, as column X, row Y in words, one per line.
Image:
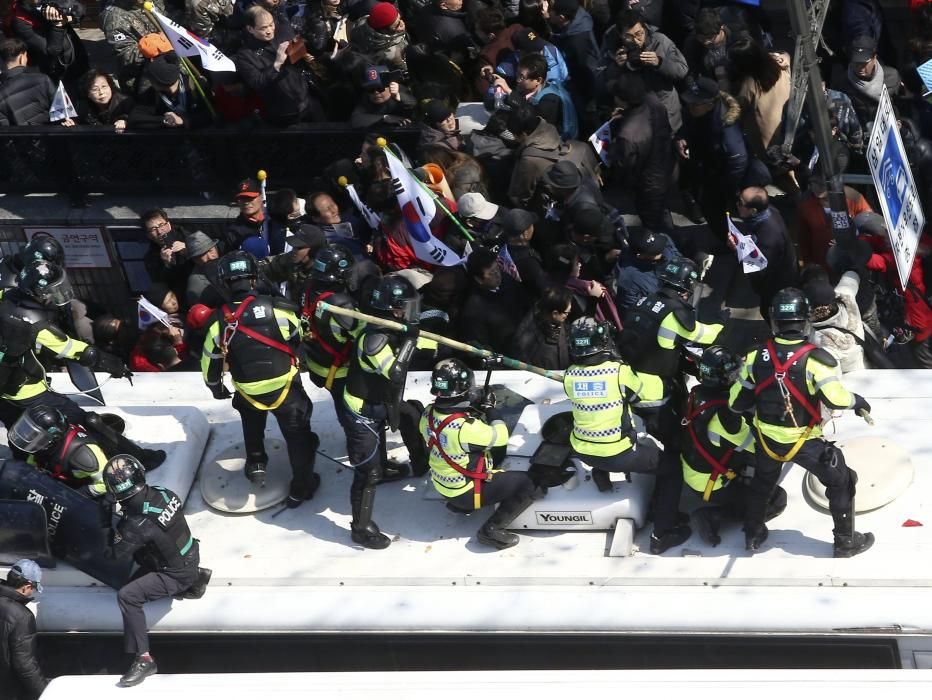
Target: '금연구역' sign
column 896, row 188
column 84, row 247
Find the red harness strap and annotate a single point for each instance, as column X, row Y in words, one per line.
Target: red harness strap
column 719, row 468
column 478, row 476
column 232, row 321
column 58, row 466
column 339, row 356
column 779, row 372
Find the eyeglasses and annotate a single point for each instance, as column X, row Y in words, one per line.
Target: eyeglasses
column 567, row 312
column 161, row 226
column 634, row 36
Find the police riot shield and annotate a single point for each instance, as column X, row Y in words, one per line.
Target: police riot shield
column 23, row 533
column 77, row 527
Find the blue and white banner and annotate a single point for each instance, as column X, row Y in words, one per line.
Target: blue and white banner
column 508, row 263
column 62, row 107
column 370, row 216
column 186, row 43
column 601, row 139
column 418, row 209
column 149, row 314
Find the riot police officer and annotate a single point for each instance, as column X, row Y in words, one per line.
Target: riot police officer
column 373, row 396
column 152, row 530
column 258, row 337
column 24, row 325
column 601, row 389
column 329, row 338
column 463, row 431
column 64, row 449
column 718, row 449
column 784, row 383
column 43, row 246
column 654, row 331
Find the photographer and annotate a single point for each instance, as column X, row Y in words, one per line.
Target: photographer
column 386, row 100
column 632, row 46
column 166, row 260
column 46, row 27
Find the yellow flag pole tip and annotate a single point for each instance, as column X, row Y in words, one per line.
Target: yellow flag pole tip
column 380, row 142
column 148, row 6
column 342, row 181
column 262, row 175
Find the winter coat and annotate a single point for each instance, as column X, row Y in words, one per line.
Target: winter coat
column 20, row 675
column 541, row 344
column 814, row 230
column 712, row 62
column 25, row 97
column 442, row 30
column 769, row 232
column 367, row 114
column 662, row 80
column 763, row 110
column 642, row 149
column 378, row 48
column 150, row 109
column 119, row 108
column 581, row 53
column 716, row 143
column 540, row 150
column 530, row 268
column 865, row 104
column 284, row 92
column 56, row 51
column 491, row 318
column 840, row 332
column 124, row 23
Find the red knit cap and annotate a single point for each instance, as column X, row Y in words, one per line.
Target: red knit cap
column 383, row 15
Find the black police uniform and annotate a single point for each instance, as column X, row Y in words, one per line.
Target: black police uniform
column 153, row 530
column 258, row 335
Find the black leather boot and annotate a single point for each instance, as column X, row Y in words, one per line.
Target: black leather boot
column 138, row 672
column 848, row 541
column 200, row 585
column 363, row 529
column 297, row 496
column 755, row 536
column 709, row 521
column 493, row 532
column 661, row 542
column 102, row 428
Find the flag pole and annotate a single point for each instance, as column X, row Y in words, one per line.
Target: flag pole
column 185, row 63
column 263, row 176
column 383, row 144
column 449, row 342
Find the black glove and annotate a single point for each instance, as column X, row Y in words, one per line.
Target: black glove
column 860, row 403
column 492, row 414
column 220, row 392
column 412, row 330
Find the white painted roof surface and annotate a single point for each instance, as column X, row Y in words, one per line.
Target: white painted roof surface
column 282, row 570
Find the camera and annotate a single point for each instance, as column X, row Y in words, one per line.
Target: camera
column 66, row 8
column 633, row 54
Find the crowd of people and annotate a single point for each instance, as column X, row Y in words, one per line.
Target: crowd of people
column 687, row 104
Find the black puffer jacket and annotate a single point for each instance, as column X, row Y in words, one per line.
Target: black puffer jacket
column 25, row 97
column 20, row 676
column 285, row 91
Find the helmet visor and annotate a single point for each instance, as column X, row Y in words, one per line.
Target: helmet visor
column 28, row 436
column 59, row 292
column 408, row 310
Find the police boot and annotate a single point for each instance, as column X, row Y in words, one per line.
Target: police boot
column 140, row 669
column 493, row 532
column 199, row 587
column 661, row 542
column 256, row 468
column 709, row 521
column 755, row 536
column 848, row 541
column 776, row 504
column 391, row 470
column 363, row 530
column 298, row 494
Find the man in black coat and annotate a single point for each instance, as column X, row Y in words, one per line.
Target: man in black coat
column 25, row 93
column 495, row 305
column 765, row 225
column 20, row 675
column 53, row 45
column 442, row 26
column 264, row 66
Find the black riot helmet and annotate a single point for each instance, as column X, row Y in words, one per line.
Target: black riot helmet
column 331, row 263
column 789, row 314
column 124, row 477
column 718, row 367
column 37, row 429
column 451, row 379
column 394, row 294
column 679, row 274
column 45, row 282
column 238, row 269
column 588, row 337
column 43, row 246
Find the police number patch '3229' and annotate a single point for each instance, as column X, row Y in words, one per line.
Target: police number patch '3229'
column 590, row 390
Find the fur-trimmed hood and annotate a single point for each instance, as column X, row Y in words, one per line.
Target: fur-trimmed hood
column 731, row 109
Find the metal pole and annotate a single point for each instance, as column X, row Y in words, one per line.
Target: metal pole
column 802, row 27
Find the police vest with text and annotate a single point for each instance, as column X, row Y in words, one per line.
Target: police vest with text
column 601, row 420
column 641, row 325
column 165, row 511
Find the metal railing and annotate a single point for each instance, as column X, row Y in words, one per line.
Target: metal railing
column 79, row 160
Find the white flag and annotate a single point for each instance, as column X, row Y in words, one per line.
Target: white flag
column 749, row 255
column 601, row 139
column 61, row 108
column 149, row 314
column 187, row 44
column 418, row 209
column 370, row 216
